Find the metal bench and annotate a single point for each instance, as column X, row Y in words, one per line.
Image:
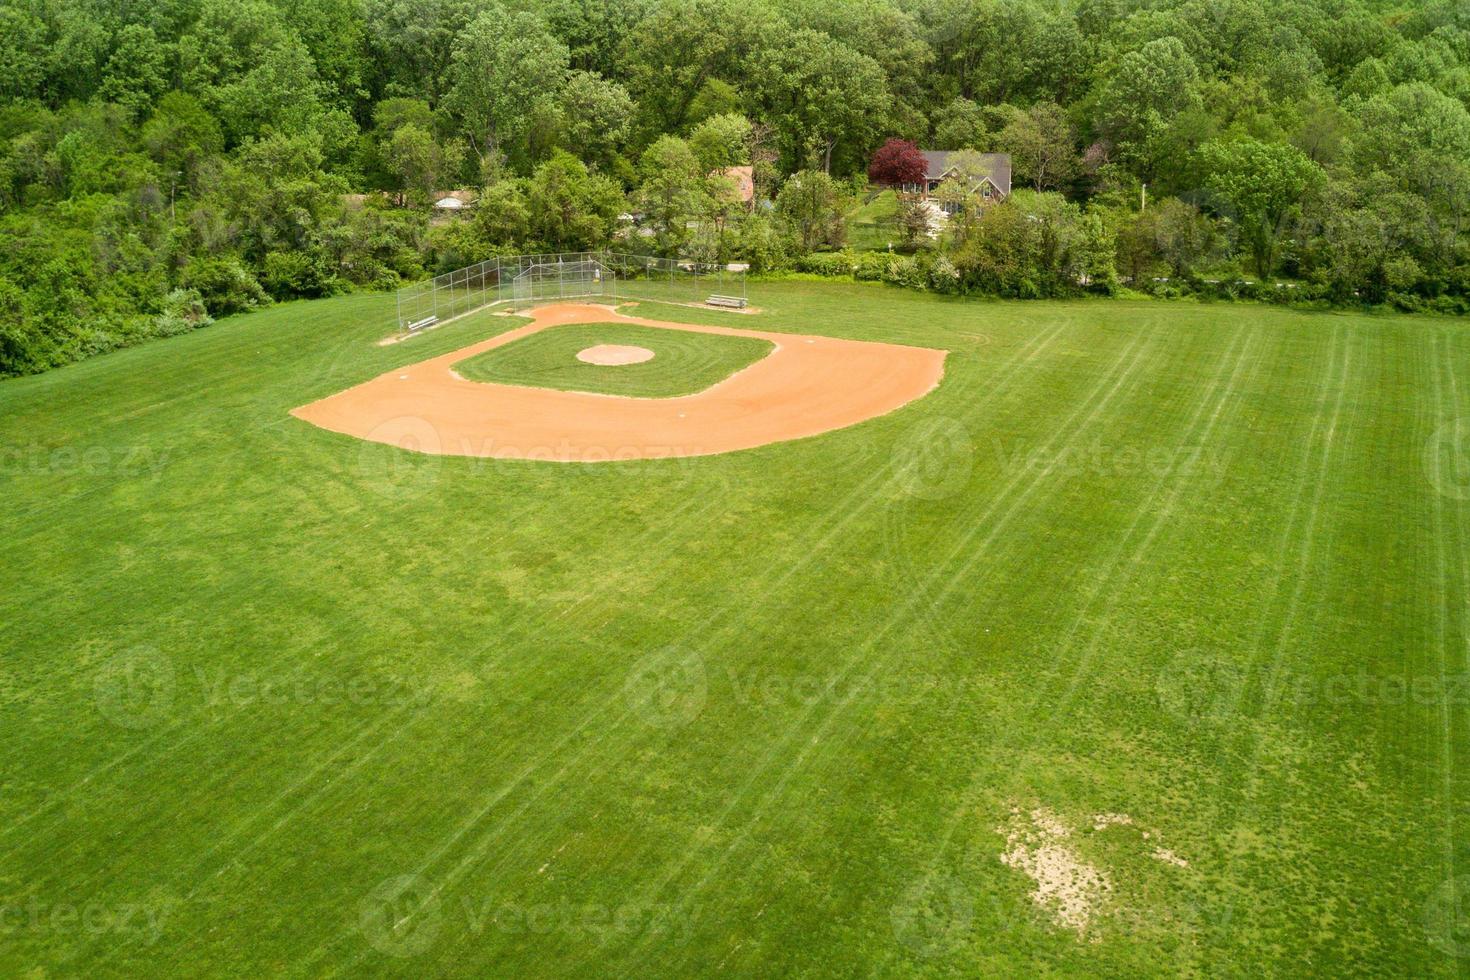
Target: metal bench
column 427, row 321
column 738, row 302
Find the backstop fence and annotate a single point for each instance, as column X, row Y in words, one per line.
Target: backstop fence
column 524, row 281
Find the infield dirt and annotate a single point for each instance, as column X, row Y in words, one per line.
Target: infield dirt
column 807, row 385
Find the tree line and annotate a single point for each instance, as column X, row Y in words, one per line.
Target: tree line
column 165, row 163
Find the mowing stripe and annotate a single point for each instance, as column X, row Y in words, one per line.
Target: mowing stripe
column 1457, row 406
column 1197, row 431
column 1225, row 365
column 1023, row 357
column 392, row 717
column 1128, row 365
column 1301, row 525
column 382, row 720
column 1100, row 399
column 1446, row 712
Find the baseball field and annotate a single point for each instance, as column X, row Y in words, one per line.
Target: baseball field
column 1139, row 644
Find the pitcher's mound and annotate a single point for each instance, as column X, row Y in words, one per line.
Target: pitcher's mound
column 612, row 354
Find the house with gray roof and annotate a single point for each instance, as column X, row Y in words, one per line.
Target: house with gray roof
column 992, row 182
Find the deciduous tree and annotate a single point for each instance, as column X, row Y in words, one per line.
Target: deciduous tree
column 1042, row 145
column 811, row 203
column 721, row 141
column 506, row 69
column 1262, row 183
column 897, row 162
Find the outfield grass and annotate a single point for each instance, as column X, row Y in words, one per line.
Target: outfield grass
column 684, row 362
column 277, row 700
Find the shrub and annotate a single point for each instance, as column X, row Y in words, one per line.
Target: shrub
column 906, row 271
column 291, row 275
column 225, row 285
column 871, row 266
column 762, row 244
column 183, row 310
column 944, row 277
column 1406, row 302
column 834, row 265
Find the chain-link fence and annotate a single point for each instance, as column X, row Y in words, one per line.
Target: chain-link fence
column 523, row 281
column 558, row 280
column 647, row 277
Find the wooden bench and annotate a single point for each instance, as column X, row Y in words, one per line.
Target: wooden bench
column 427, row 321
column 738, row 302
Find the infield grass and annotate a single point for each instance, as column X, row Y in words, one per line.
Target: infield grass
column 276, row 700
column 684, row 362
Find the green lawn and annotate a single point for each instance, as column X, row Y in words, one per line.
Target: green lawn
column 684, row 362
column 873, row 224
column 276, row 700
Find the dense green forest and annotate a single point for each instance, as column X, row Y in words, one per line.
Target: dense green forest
column 163, row 163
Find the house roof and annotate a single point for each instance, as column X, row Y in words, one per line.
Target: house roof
column 996, row 166
column 744, row 178
column 463, row 197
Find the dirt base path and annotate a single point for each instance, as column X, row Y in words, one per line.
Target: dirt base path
column 806, row 386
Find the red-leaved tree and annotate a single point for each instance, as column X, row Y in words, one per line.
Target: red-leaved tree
column 897, row 162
